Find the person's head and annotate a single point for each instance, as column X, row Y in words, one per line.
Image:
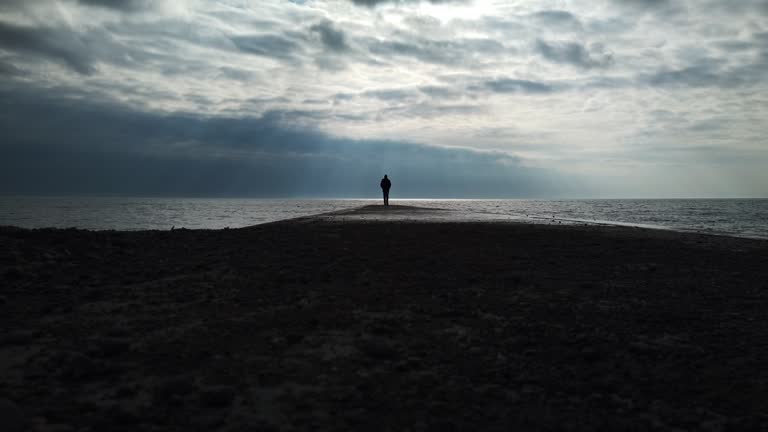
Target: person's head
column 385, row 176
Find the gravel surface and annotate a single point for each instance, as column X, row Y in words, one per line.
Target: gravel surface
column 328, row 323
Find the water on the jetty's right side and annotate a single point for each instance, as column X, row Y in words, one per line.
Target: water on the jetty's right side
column 735, row 217
column 738, row 217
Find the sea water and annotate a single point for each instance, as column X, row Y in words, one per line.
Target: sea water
column 736, row 217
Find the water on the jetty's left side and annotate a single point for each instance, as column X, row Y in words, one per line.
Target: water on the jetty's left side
column 122, row 213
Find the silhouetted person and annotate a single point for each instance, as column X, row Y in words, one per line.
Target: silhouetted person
column 385, row 185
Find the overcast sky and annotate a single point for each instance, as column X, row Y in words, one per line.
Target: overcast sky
column 475, row 98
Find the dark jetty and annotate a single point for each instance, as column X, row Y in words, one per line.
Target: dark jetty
column 327, row 323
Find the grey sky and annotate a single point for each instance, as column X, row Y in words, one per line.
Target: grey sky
column 468, row 98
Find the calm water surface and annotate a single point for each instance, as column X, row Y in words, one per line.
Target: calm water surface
column 739, row 217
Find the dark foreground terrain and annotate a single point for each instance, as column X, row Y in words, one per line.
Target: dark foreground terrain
column 321, row 324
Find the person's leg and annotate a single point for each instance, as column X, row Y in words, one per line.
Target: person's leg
column 386, row 198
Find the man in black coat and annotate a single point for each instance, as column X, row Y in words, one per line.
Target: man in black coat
column 385, row 185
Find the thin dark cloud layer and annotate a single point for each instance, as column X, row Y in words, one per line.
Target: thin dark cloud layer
column 645, row 3
column 558, row 19
column 453, row 52
column 372, row 3
column 508, row 85
column 267, row 45
column 9, row 70
column 121, row 5
column 131, row 152
column 575, row 54
column 60, row 46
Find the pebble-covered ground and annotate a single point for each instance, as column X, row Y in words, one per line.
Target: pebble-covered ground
column 330, row 324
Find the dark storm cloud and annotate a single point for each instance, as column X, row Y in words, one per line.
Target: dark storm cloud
column 58, row 45
column 574, row 53
column 46, row 149
column 332, row 38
